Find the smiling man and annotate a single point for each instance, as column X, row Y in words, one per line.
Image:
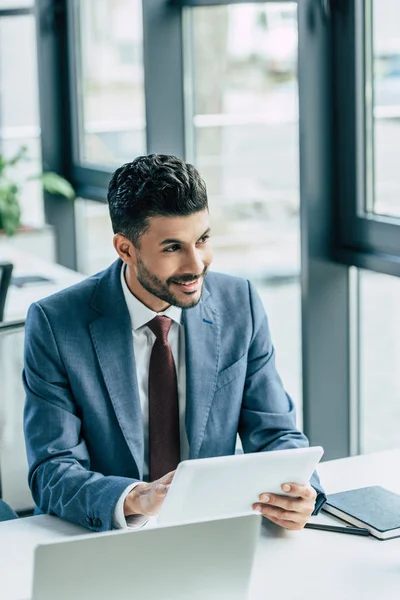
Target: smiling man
column 153, row 361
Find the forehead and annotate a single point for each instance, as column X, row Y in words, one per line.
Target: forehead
column 186, row 228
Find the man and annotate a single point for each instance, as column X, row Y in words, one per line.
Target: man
column 152, row 361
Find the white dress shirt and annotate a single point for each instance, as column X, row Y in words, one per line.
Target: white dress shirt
column 143, row 340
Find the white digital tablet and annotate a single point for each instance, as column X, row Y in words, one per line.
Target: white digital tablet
column 227, row 486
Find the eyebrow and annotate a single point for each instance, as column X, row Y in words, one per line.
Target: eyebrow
column 173, row 241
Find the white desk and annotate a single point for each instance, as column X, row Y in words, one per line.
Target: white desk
column 19, row 299
column 288, row 565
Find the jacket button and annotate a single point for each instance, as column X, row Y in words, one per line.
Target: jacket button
column 89, row 521
column 97, row 523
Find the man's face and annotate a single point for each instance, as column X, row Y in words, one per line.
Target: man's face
column 173, row 258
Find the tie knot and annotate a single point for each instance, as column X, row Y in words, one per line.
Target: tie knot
column 160, row 326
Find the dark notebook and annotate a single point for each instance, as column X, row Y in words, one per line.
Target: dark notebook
column 374, row 508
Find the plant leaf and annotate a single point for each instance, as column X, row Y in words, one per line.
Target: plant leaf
column 55, row 184
column 10, row 212
column 20, row 155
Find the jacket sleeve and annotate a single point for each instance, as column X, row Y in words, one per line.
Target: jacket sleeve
column 59, row 475
column 268, row 418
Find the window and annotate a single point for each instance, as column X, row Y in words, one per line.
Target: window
column 15, row 4
column 19, row 111
column 222, row 91
column 367, row 105
column 109, row 113
column 94, row 235
column 385, row 104
column 379, row 362
column 110, row 95
column 242, row 135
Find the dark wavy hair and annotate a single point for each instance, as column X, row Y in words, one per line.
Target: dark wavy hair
column 153, row 186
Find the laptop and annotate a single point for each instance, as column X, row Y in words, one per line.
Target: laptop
column 211, row 559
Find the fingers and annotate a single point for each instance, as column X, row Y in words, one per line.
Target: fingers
column 303, row 498
column 287, row 519
column 288, row 504
column 161, row 489
column 166, row 479
column 276, row 512
column 286, row 524
column 289, row 512
column 301, row 491
column 147, row 498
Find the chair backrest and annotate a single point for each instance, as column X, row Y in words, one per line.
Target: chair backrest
column 5, row 278
column 14, row 487
column 6, row 512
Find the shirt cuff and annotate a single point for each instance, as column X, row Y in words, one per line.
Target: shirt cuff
column 131, row 521
column 319, row 503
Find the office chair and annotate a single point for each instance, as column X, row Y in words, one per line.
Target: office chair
column 6, row 512
column 5, row 278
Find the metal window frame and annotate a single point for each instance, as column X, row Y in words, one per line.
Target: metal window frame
column 163, row 78
column 199, row 3
column 51, row 29
column 90, row 180
column 17, row 12
column 363, row 239
column 329, row 318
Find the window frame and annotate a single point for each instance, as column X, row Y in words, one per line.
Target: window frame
column 164, row 123
column 363, row 239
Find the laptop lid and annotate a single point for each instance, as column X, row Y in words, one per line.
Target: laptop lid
column 212, row 560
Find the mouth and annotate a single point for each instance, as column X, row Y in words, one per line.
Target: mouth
column 189, row 286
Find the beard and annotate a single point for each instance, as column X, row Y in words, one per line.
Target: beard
column 162, row 289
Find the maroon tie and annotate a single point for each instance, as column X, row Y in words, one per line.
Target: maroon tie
column 164, row 443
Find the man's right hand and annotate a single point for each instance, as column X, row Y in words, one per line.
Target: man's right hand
column 147, row 498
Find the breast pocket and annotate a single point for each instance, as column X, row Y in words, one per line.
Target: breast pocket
column 232, row 372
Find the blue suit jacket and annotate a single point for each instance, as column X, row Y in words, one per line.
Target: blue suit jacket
column 83, row 422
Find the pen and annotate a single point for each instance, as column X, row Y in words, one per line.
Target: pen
column 338, row 528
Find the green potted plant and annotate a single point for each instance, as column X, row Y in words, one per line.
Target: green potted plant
column 10, row 210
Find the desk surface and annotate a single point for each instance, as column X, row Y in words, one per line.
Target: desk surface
column 19, row 299
column 289, row 565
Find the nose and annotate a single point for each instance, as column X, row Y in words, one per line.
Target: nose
column 194, row 263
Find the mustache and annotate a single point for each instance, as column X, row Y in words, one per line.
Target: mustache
column 187, row 278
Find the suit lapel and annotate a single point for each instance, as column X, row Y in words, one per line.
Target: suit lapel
column 202, row 335
column 111, row 334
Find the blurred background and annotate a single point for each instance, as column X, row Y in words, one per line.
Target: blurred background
column 86, row 86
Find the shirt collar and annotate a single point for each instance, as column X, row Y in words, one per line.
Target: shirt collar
column 141, row 314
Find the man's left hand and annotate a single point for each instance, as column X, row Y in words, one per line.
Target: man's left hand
column 290, row 513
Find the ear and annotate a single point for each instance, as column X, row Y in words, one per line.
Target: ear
column 124, row 249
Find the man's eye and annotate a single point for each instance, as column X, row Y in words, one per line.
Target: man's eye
column 204, row 239
column 172, row 248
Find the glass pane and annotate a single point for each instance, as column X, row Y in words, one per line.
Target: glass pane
column 243, row 137
column 380, row 359
column 19, row 111
column 385, row 16
column 94, row 234
column 4, row 4
column 111, row 88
